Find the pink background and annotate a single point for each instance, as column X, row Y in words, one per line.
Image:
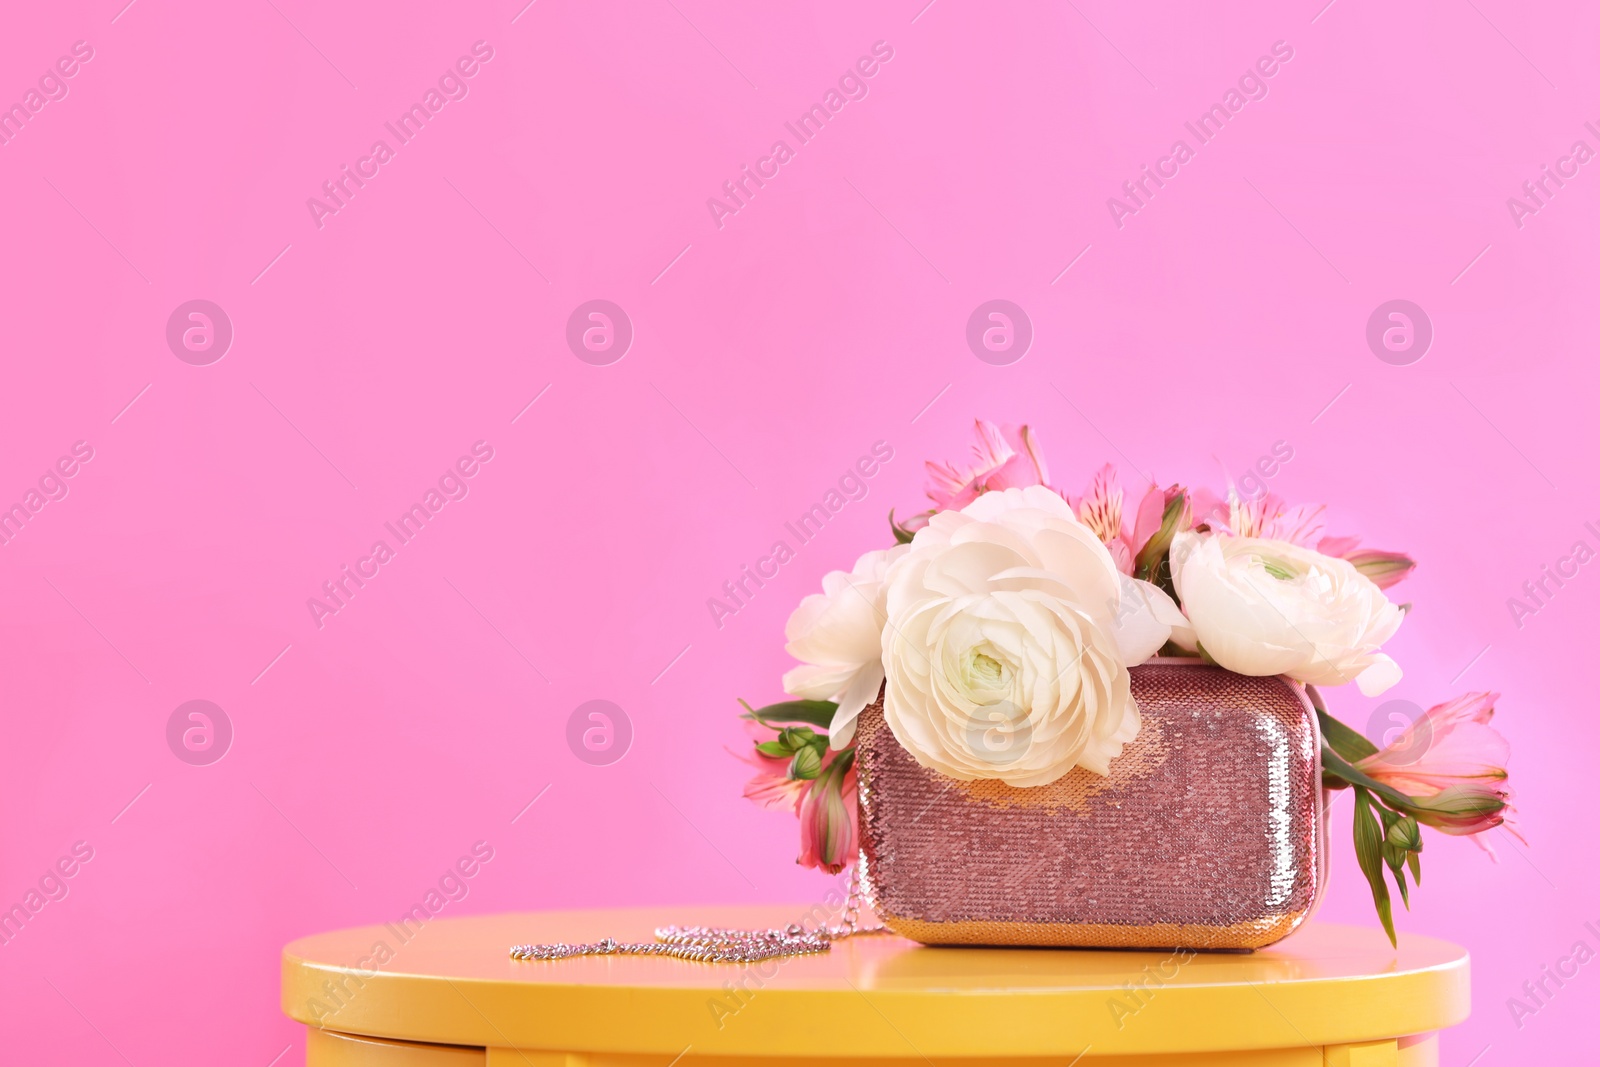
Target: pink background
column 826, row 315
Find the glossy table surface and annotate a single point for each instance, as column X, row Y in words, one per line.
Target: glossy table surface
column 451, row 982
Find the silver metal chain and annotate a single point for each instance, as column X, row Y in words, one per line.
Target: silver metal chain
column 716, row 944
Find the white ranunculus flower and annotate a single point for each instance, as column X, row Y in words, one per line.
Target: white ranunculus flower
column 837, row 636
column 1263, row 607
column 1009, row 637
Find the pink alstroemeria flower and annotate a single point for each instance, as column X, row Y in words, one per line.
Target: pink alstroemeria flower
column 829, row 822
column 1101, row 509
column 1452, row 763
column 1266, row 516
column 772, row 788
column 1007, row 458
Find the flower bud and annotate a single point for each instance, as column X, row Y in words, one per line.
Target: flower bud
column 1384, row 568
column 797, row 737
column 1463, row 809
column 1404, row 835
column 807, row 763
column 829, row 825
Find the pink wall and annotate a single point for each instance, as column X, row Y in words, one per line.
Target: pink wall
column 1226, row 315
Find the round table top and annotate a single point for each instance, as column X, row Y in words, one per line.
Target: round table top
column 452, row 981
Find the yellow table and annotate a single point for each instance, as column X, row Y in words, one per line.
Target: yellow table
column 445, row 994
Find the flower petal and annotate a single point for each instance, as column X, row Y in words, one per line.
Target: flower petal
column 1377, row 678
column 863, row 690
column 1145, row 620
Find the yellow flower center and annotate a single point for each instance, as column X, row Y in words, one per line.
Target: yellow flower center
column 985, row 669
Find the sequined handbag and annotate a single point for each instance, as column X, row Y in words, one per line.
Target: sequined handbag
column 1209, row 832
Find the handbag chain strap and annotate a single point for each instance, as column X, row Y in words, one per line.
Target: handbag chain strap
column 716, row 944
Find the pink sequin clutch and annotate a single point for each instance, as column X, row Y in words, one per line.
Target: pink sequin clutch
column 1209, row 832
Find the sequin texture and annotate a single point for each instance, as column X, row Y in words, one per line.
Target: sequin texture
column 1209, row 832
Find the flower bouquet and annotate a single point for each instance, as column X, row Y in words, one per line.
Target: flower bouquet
column 1015, row 647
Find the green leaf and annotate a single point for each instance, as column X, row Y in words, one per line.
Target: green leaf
column 1399, row 873
column 1152, row 563
column 1369, row 847
column 1343, row 739
column 806, row 765
column 812, row 712
column 775, row 749
column 1414, row 863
